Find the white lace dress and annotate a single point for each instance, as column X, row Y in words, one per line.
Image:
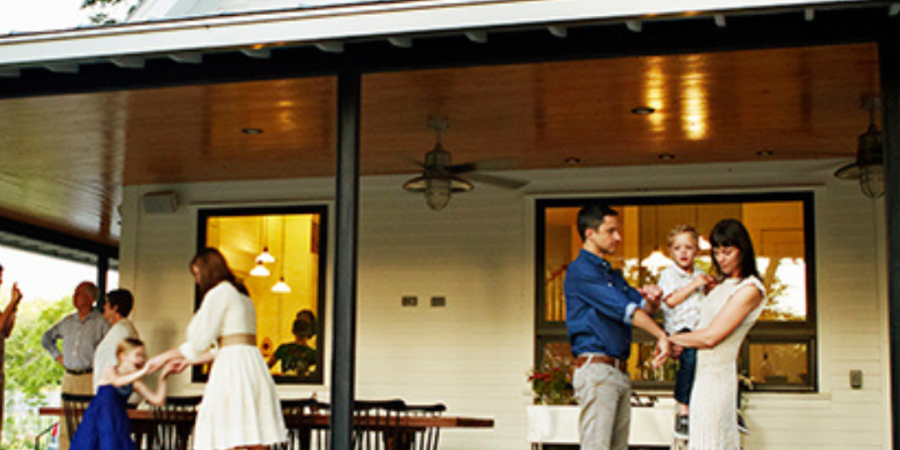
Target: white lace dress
column 713, row 423
column 240, row 406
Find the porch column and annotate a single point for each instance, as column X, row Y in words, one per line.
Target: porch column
column 889, row 61
column 347, row 179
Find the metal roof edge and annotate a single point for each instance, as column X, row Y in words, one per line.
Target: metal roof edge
column 351, row 22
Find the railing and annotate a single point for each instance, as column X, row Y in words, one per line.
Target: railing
column 555, row 299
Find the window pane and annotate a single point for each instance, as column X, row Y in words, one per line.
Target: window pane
column 779, row 364
column 778, row 229
column 283, row 284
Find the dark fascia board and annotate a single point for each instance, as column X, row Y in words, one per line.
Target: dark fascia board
column 870, row 22
column 46, row 240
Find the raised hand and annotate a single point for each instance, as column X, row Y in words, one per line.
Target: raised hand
column 16, row 296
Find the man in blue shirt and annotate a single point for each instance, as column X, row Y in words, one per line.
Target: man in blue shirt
column 600, row 311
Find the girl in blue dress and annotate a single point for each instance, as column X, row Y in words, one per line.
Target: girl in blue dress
column 105, row 425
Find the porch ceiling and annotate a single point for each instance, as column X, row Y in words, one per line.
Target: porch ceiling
column 66, row 157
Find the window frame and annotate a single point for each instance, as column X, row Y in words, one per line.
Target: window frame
column 203, row 216
column 763, row 332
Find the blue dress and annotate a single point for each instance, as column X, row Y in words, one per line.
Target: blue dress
column 105, row 425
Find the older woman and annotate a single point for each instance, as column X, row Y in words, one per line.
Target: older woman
column 727, row 314
column 240, row 407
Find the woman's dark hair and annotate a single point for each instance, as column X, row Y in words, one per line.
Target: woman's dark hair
column 213, row 270
column 732, row 233
column 121, row 300
column 305, row 325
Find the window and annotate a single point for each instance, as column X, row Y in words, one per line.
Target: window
column 286, row 285
column 779, row 352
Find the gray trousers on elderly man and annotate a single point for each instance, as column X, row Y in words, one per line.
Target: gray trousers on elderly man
column 604, row 397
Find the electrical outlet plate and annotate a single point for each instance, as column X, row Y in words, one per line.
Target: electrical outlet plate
column 856, row 379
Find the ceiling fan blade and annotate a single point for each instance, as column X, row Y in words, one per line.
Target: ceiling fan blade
column 507, row 183
column 462, row 168
column 488, row 165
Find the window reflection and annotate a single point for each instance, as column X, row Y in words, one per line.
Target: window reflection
column 779, row 229
column 276, row 253
column 779, row 364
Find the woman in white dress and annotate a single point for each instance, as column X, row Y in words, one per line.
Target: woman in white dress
column 726, row 315
column 240, row 406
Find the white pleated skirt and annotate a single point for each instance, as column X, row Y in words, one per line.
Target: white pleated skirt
column 240, row 406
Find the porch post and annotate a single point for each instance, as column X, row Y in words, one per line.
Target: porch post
column 889, row 61
column 347, row 180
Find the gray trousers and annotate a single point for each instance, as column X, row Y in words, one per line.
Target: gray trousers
column 604, row 399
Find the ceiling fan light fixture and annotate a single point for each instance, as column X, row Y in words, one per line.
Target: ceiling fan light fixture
column 869, row 165
column 438, row 190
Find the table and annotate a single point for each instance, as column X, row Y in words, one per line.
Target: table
column 143, row 422
column 323, row 420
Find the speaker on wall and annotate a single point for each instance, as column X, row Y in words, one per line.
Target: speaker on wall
column 161, row 202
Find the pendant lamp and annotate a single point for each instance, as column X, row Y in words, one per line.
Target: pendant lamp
column 281, row 287
column 265, row 257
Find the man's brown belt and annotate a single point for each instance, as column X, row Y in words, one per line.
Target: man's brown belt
column 602, row 359
column 237, row 339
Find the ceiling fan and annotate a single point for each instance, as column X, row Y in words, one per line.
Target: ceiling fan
column 439, row 179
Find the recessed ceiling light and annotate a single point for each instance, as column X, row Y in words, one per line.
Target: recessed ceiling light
column 666, row 156
column 765, row 153
column 572, row 160
column 643, row 111
column 252, row 131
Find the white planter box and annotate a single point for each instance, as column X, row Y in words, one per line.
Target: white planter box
column 650, row 425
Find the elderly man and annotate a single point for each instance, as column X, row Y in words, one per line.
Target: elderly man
column 80, row 331
column 116, row 310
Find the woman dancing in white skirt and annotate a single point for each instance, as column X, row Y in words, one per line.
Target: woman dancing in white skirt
column 240, row 407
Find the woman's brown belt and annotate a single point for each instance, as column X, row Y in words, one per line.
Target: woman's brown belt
column 237, row 339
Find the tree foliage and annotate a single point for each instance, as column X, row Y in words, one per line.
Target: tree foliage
column 29, row 368
column 107, row 12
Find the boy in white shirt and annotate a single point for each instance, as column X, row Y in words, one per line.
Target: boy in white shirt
column 683, row 287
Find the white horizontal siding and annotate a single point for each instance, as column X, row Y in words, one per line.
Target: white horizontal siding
column 474, row 353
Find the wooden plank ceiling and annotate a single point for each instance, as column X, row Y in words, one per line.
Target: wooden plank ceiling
column 67, row 157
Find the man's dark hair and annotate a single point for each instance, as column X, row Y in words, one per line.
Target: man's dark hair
column 121, row 300
column 591, row 216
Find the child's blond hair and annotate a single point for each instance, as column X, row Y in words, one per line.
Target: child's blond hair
column 683, row 229
column 127, row 345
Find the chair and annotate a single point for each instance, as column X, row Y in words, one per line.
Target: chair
column 376, row 425
column 426, row 438
column 73, row 406
column 302, row 435
column 172, row 424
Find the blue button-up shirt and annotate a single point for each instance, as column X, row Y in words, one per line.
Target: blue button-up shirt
column 80, row 339
column 599, row 307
